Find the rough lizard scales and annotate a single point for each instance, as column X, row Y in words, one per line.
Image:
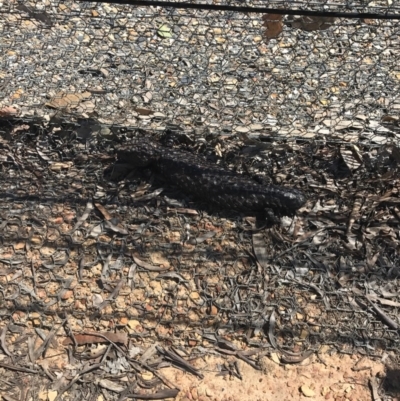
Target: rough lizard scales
column 202, row 179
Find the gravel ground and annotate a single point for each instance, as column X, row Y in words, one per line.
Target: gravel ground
column 206, row 71
column 88, row 246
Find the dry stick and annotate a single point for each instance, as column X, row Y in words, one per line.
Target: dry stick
column 70, row 333
column 296, row 359
column 155, row 373
column 8, row 398
column 4, row 344
column 76, row 378
column 83, row 218
column 42, row 349
column 238, row 370
column 46, row 371
column 374, row 389
column 384, row 317
column 240, row 355
column 105, row 355
column 174, row 357
column 305, row 240
column 33, row 275
column 16, row 368
column 114, row 294
column 353, row 214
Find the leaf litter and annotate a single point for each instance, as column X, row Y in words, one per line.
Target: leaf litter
column 141, row 284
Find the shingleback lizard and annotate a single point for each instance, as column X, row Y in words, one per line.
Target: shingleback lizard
column 207, row 181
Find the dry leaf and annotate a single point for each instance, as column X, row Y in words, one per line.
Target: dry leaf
column 18, row 128
column 8, row 111
column 182, row 210
column 147, row 97
column 273, row 25
column 345, row 124
column 143, row 112
column 52, row 395
column 389, row 119
column 94, row 338
column 351, row 157
column 103, row 211
column 355, row 213
column 67, row 100
column 164, row 31
column 58, row 166
column 307, row 391
column 118, row 228
column 260, row 250
column 17, row 94
column 312, row 23
column 111, row 385
column 87, row 107
column 369, row 21
column 275, row 358
column 148, row 266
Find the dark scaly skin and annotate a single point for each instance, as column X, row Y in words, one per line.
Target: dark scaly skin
column 205, row 180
